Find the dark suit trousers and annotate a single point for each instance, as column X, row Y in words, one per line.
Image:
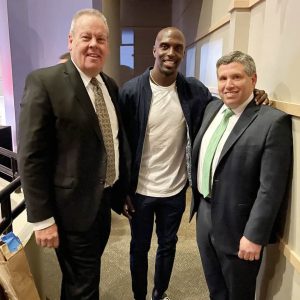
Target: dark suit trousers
column 79, row 256
column 228, row 277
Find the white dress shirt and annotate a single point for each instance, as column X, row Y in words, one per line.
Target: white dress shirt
column 209, row 132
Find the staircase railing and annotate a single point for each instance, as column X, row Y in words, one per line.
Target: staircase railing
column 8, row 215
column 10, row 169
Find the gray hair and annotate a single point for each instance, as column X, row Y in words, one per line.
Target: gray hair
column 88, row 12
column 240, row 57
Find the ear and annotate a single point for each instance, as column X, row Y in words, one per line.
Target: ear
column 70, row 41
column 108, row 49
column 254, row 79
column 154, row 50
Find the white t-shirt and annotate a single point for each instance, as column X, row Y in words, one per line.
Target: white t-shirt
column 163, row 164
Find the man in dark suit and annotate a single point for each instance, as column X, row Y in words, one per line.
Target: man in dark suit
column 239, row 178
column 73, row 158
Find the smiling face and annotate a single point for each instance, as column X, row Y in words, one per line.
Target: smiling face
column 168, row 51
column 234, row 85
column 88, row 44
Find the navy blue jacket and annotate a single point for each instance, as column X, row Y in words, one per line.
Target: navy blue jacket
column 136, row 97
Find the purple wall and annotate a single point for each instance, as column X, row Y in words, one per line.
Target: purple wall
column 37, row 31
column 6, row 72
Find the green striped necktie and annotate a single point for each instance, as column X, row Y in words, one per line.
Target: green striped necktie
column 210, row 152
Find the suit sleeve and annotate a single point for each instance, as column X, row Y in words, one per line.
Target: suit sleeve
column 36, row 149
column 274, row 176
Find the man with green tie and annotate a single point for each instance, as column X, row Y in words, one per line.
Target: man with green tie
column 240, row 168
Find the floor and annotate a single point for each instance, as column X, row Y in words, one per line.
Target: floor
column 187, row 281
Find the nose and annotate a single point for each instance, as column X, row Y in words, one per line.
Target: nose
column 171, row 51
column 93, row 42
column 229, row 83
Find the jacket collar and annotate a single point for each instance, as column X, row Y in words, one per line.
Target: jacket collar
column 81, row 95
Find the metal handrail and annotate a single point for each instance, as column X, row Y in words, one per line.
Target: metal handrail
column 10, row 188
column 11, row 171
column 8, row 153
column 8, row 215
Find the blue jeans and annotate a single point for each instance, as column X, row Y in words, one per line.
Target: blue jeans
column 168, row 212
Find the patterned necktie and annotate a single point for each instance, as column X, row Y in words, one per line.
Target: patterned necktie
column 210, row 152
column 105, row 126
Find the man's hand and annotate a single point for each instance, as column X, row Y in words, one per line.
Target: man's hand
column 128, row 208
column 47, row 237
column 249, row 250
column 261, row 97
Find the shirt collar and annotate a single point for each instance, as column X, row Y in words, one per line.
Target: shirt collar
column 238, row 110
column 86, row 79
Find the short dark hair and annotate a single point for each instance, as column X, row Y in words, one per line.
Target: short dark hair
column 240, row 57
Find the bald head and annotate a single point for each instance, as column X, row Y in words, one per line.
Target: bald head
column 170, row 31
column 168, row 52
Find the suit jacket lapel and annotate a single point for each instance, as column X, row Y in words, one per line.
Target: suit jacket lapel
column 247, row 117
column 111, row 92
column 209, row 115
column 82, row 96
column 210, row 112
